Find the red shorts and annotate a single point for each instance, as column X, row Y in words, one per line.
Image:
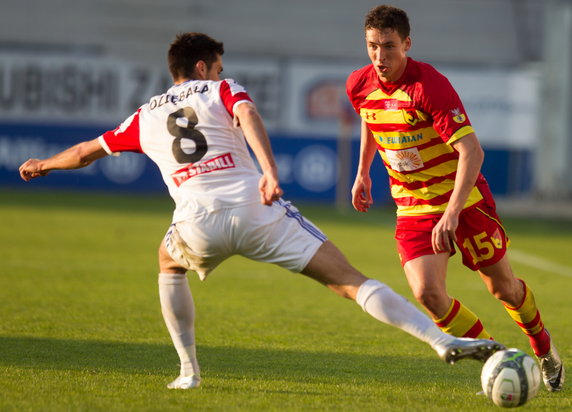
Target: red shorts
column 481, row 237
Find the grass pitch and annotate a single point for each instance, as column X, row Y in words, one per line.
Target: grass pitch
column 81, row 327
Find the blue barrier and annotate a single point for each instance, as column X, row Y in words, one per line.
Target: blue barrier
column 308, row 167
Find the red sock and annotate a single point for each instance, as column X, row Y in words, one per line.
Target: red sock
column 540, row 343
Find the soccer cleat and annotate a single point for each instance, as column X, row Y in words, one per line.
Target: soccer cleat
column 461, row 348
column 185, row 382
column 552, row 369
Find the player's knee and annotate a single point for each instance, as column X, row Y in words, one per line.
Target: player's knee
column 331, row 267
column 429, row 298
column 166, row 262
column 338, row 275
column 507, row 292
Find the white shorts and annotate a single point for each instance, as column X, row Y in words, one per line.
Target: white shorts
column 274, row 234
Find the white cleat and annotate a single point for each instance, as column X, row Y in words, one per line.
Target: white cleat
column 185, row 382
column 552, row 369
column 461, row 348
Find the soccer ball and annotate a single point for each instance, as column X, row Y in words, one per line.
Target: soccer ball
column 510, row 378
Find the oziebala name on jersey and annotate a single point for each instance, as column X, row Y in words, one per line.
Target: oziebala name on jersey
column 174, row 99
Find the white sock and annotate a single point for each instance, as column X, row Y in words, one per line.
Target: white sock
column 178, row 311
column 381, row 302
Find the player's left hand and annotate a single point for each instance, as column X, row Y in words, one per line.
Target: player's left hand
column 361, row 193
column 269, row 187
column 31, row 169
column 443, row 234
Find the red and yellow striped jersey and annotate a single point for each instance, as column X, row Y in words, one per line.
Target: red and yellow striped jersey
column 414, row 120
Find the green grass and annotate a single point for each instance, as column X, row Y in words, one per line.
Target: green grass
column 81, row 326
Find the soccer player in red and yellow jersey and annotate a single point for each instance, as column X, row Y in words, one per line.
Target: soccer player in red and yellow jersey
column 414, row 118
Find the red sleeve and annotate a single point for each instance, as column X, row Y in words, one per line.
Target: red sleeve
column 360, row 84
column 125, row 138
column 441, row 101
column 351, row 85
column 231, row 93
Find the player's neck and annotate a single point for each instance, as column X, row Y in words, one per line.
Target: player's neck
column 177, row 82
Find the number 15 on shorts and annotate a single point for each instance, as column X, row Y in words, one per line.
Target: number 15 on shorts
column 482, row 246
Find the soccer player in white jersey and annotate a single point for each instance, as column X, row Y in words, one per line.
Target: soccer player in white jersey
column 197, row 133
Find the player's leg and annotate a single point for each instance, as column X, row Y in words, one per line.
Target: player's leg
column 427, row 279
column 426, row 274
column 280, row 234
column 331, row 268
column 520, row 304
column 483, row 243
column 178, row 311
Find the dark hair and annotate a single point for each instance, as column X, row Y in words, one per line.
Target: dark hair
column 388, row 17
column 188, row 49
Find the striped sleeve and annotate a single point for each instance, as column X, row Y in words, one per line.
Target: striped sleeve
column 231, row 93
column 442, row 103
column 125, row 138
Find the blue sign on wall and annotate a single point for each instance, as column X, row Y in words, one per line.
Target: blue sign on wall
column 308, row 167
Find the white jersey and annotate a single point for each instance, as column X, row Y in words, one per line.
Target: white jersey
column 190, row 134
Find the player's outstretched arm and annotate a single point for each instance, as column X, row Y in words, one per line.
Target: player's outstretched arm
column 75, row 157
column 257, row 138
column 361, row 191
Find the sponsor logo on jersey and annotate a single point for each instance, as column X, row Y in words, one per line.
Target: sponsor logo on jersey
column 369, row 115
column 410, row 116
column 221, row 162
column 391, row 104
column 400, row 139
column 458, row 117
column 404, row 160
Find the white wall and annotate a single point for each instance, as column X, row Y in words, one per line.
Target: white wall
column 301, row 97
column 444, row 31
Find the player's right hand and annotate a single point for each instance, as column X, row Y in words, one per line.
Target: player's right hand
column 31, row 169
column 361, row 194
column 269, row 187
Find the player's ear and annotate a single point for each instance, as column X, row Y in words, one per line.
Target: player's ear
column 407, row 43
column 201, row 70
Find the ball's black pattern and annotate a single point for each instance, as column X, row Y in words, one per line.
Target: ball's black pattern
column 513, row 359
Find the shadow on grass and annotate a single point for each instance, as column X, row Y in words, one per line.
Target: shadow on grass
column 54, row 199
column 222, row 361
column 50, row 199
